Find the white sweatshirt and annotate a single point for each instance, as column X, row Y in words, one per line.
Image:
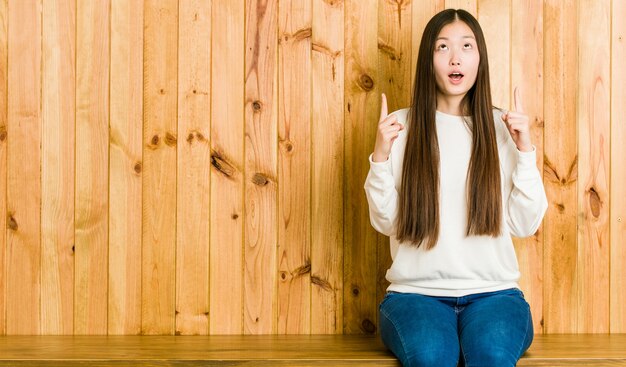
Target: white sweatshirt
column 458, row 265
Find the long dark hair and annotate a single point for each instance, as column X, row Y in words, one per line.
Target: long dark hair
column 418, row 219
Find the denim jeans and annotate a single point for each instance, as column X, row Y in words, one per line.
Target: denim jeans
column 483, row 329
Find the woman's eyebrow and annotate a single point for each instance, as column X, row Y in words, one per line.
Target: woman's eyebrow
column 446, row 38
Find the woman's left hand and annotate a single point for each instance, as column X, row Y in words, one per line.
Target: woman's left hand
column 518, row 124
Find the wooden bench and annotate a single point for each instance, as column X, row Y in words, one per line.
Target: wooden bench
column 274, row 350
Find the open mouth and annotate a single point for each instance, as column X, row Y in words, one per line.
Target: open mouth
column 455, row 76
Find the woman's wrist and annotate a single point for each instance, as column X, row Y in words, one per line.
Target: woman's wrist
column 378, row 158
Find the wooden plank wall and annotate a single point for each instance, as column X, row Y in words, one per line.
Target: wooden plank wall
column 361, row 97
column 196, row 167
column 125, row 162
column 22, row 267
column 92, row 161
column 4, row 14
column 617, row 224
column 58, row 170
column 560, row 278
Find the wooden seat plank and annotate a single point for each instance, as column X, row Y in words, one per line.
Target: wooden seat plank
column 275, row 350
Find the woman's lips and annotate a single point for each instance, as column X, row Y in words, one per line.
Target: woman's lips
column 455, row 78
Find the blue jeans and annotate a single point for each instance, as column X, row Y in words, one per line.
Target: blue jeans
column 484, row 329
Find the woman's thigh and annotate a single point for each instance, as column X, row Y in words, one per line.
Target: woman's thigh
column 495, row 330
column 419, row 330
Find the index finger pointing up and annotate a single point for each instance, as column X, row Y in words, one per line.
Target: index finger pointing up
column 383, row 107
column 517, row 99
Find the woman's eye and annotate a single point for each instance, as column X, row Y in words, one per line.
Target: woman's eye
column 467, row 45
column 442, row 47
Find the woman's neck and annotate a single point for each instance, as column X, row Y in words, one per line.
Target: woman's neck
column 450, row 105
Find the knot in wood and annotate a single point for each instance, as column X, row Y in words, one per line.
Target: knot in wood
column 366, row 82
column 12, row 223
column 260, row 179
column 170, row 139
column 222, row 165
column 368, row 326
column 594, row 202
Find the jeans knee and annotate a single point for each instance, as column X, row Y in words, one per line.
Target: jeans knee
column 431, row 358
column 492, row 357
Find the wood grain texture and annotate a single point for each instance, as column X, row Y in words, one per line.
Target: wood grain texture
column 126, row 167
column 394, row 53
column 617, row 294
column 261, row 177
column 57, row 167
column 193, row 172
column 421, row 13
column 294, row 167
column 327, row 152
column 560, row 168
column 276, row 350
column 4, row 52
column 362, row 110
column 23, row 252
column 160, row 136
column 92, row 163
column 527, row 75
column 257, row 221
column 394, row 73
column 230, row 350
column 496, row 20
column 594, row 155
column 469, row 5
column 227, row 160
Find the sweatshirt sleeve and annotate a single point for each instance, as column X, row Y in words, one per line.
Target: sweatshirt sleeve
column 527, row 202
column 382, row 196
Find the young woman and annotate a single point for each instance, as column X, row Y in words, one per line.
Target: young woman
column 451, row 180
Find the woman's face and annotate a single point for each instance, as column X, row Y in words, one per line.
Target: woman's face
column 455, row 60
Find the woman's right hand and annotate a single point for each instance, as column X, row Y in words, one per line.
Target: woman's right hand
column 388, row 130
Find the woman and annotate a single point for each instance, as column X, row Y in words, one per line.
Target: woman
column 451, row 179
